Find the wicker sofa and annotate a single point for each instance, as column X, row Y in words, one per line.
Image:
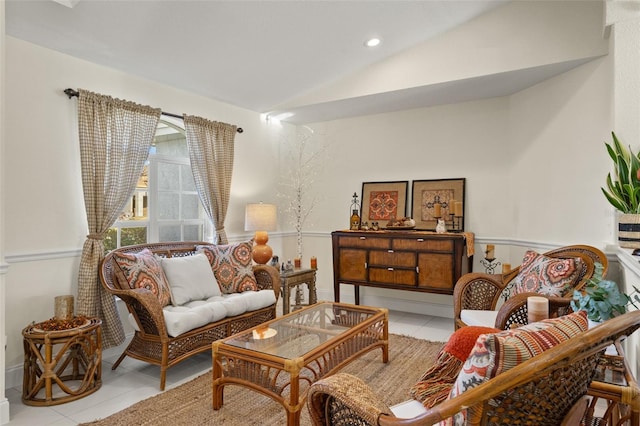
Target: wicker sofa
column 156, row 340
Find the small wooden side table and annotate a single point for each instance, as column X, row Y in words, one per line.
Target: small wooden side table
column 290, row 279
column 67, row 361
column 614, row 384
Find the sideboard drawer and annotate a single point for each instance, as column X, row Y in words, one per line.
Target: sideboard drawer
column 392, row 276
column 392, row 258
column 368, row 242
column 423, row 244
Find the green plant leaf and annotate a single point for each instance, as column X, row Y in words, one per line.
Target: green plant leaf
column 611, row 152
column 614, row 201
column 601, row 299
column 623, row 186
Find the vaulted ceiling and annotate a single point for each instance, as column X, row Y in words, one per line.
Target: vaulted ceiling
column 260, row 55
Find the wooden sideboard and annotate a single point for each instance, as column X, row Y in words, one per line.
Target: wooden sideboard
column 402, row 260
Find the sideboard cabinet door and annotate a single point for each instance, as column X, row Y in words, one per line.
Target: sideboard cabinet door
column 436, row 271
column 353, row 264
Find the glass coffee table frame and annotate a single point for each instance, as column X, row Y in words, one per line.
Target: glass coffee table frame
column 283, row 357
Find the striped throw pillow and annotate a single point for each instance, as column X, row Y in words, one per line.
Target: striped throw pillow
column 496, row 353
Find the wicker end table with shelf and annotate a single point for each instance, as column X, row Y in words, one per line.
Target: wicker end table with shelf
column 291, row 279
column 617, row 387
column 61, row 366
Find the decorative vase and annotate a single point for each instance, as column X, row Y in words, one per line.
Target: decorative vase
column 629, row 230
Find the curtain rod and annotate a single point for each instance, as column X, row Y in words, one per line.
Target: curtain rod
column 71, row 93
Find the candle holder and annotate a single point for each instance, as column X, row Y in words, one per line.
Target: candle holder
column 456, row 223
column 490, row 265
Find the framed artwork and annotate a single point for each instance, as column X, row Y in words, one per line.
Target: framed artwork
column 383, row 201
column 440, row 196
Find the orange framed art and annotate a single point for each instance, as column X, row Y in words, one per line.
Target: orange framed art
column 383, row 201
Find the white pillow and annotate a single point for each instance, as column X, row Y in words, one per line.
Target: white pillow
column 190, row 278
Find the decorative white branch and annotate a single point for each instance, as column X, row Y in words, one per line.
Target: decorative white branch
column 301, row 166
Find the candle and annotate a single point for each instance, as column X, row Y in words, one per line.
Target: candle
column 437, row 210
column 490, row 253
column 457, row 209
column 451, row 205
column 314, row 262
column 63, row 307
column 537, row 308
column 297, row 262
column 506, row 268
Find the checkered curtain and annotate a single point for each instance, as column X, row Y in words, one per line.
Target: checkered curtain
column 115, row 136
column 211, row 147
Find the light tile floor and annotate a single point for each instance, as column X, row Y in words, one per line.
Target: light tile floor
column 134, row 381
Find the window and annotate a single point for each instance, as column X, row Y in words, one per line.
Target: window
column 165, row 205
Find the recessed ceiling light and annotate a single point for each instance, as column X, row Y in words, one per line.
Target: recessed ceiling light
column 372, row 42
column 69, row 3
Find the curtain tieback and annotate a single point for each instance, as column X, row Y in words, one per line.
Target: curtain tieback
column 96, row 236
column 219, row 229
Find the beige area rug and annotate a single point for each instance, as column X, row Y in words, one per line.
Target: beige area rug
column 190, row 404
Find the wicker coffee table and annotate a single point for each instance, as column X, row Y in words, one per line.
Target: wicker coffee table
column 283, row 357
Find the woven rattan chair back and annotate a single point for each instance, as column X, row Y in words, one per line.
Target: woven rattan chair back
column 481, row 291
column 540, row 391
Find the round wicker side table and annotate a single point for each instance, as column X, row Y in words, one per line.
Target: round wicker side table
column 61, row 366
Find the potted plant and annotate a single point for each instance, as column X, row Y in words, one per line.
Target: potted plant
column 602, row 300
column 623, row 191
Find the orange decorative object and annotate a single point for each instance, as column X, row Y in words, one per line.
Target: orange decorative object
column 262, row 253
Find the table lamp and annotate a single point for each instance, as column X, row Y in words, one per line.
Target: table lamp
column 261, row 218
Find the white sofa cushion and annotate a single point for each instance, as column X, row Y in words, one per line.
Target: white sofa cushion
column 253, row 299
column 180, row 319
column 408, row 409
column 194, row 314
column 482, row 318
column 190, row 278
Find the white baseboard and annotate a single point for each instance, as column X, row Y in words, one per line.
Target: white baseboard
column 13, row 377
column 394, row 303
column 4, row 412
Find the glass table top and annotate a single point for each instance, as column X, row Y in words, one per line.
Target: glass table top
column 300, row 332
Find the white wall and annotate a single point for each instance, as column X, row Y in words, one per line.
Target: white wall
column 533, row 162
column 451, row 141
column 4, row 403
column 43, row 205
column 625, row 20
column 557, row 160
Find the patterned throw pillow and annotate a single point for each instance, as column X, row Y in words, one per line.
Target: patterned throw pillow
column 546, row 275
column 143, row 270
column 496, row 353
column 435, row 384
column 232, row 266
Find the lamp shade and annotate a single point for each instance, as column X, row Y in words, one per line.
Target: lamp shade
column 260, row 217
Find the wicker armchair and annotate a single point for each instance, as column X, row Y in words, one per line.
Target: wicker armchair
column 546, row 390
column 481, row 292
